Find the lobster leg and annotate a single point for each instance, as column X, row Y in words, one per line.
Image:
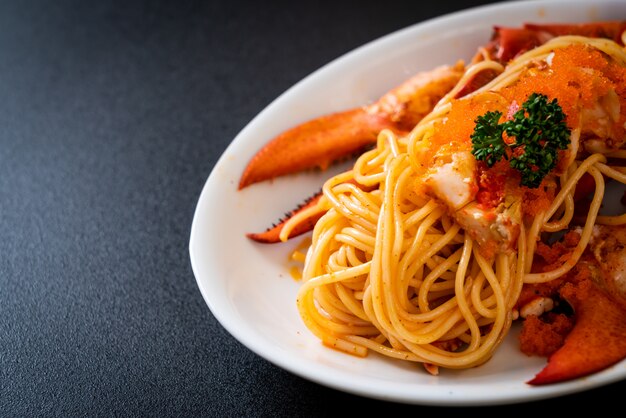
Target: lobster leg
column 272, row 235
column 320, row 142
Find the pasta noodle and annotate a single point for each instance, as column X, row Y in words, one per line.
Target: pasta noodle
column 394, row 269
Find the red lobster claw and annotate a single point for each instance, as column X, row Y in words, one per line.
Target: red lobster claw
column 597, row 341
column 597, row 292
column 324, row 140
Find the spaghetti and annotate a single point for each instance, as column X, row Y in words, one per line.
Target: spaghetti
column 408, row 265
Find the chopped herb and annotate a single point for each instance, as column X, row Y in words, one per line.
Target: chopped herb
column 539, row 130
column 487, row 142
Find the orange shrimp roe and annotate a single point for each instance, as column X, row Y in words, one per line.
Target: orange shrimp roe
column 538, row 200
column 576, row 77
column 492, row 183
column 453, row 134
column 543, row 337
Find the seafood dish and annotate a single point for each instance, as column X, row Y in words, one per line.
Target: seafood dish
column 474, row 202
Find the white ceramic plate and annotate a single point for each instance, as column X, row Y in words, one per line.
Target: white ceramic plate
column 247, row 286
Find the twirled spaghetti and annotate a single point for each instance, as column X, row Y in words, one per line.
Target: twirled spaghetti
column 400, row 265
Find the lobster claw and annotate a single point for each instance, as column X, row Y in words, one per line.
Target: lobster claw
column 316, row 143
column 597, row 341
column 324, row 140
column 597, row 293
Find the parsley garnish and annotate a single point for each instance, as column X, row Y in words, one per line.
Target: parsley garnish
column 539, row 130
column 487, row 143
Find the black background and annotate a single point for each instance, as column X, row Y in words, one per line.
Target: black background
column 112, row 115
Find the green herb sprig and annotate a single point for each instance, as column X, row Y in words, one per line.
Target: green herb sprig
column 539, row 130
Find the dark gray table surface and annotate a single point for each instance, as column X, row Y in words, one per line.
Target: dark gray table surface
column 112, row 115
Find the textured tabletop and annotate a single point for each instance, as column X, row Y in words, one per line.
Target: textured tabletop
column 112, row 116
